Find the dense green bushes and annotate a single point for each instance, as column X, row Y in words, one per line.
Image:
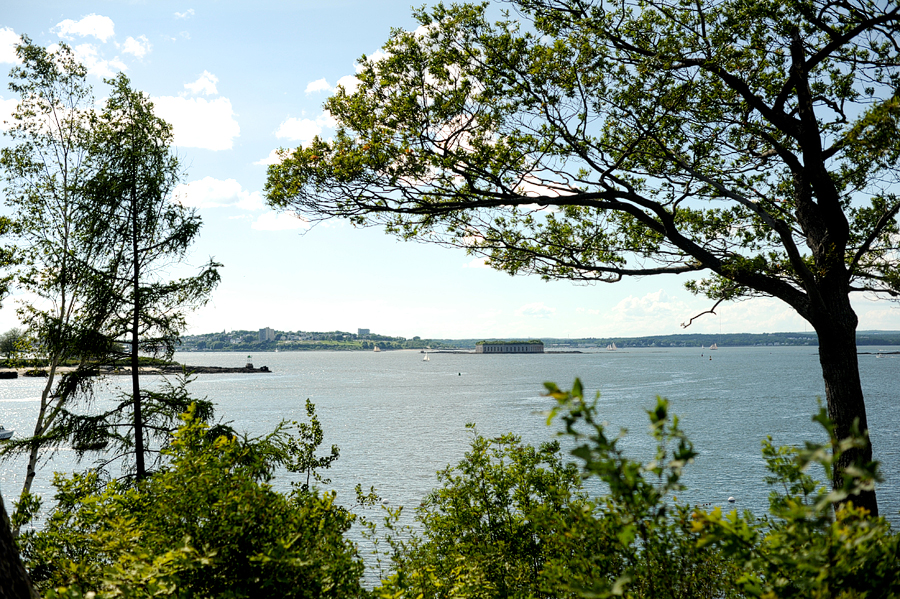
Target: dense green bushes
column 509, row 520
column 206, row 525
column 512, row 521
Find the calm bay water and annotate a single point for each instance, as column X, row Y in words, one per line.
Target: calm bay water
column 397, row 419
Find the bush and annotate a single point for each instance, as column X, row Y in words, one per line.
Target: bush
column 508, row 521
column 206, row 525
column 513, row 521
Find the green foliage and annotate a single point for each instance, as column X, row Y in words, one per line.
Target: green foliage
column 135, row 175
column 303, row 451
column 513, row 521
column 11, row 342
column 670, row 137
column 208, row 524
column 809, row 549
column 62, row 244
column 508, row 521
column 653, row 535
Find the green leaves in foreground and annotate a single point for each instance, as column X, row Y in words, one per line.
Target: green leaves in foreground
column 207, row 525
column 810, row 548
column 510, row 520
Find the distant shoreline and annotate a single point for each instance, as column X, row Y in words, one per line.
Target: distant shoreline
column 340, row 341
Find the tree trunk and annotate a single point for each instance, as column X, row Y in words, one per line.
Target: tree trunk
column 843, row 390
column 14, row 581
column 40, row 427
column 135, row 337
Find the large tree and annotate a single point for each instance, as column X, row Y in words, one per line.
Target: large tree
column 751, row 143
column 59, row 240
column 96, row 227
column 149, row 233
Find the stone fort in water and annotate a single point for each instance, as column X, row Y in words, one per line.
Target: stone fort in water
column 509, row 347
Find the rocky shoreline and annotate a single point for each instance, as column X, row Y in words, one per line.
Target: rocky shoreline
column 12, row 373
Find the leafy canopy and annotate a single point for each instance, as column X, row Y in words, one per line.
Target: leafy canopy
column 594, row 141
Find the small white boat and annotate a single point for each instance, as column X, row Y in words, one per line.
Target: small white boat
column 377, row 348
column 426, row 358
column 713, row 346
column 5, row 434
column 611, row 347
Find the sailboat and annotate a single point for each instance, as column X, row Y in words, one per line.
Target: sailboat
column 713, row 346
column 377, row 348
column 426, row 358
column 611, row 347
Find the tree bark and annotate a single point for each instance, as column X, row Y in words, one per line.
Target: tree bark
column 135, row 337
column 843, row 389
column 43, row 423
column 14, row 580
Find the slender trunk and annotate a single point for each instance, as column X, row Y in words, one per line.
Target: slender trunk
column 40, row 427
column 135, row 334
column 843, row 390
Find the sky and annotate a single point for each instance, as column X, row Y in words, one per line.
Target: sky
column 238, row 80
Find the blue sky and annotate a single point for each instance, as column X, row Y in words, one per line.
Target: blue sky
column 240, row 79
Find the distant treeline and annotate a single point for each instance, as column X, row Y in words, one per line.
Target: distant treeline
column 241, row 341
column 723, row 340
column 249, row 341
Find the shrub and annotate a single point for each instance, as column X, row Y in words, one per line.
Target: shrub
column 206, row 525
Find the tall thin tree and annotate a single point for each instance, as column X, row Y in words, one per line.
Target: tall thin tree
column 59, row 241
column 133, row 186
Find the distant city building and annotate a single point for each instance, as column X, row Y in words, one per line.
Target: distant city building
column 509, row 347
column 266, row 334
column 362, row 332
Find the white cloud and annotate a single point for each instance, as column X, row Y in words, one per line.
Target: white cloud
column 89, row 56
column 327, row 119
column 215, row 193
column 633, row 313
column 877, row 315
column 376, row 56
column 303, row 130
column 199, row 123
column 8, row 41
column 536, row 310
column 6, row 109
column 139, row 47
column 272, row 158
column 319, row 85
column 205, row 84
column 185, row 15
column 476, row 263
column 757, row 315
column 94, row 25
column 279, row 221
column 349, row 82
